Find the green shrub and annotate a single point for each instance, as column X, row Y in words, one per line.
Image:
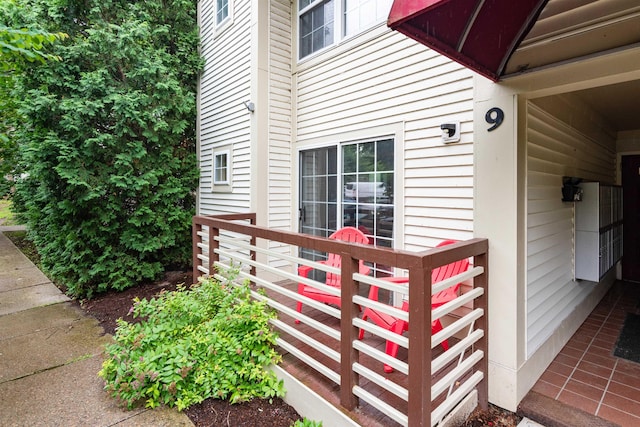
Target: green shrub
column 210, row 341
column 307, row 423
column 107, row 141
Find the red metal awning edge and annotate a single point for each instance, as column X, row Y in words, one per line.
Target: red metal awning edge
column 479, row 34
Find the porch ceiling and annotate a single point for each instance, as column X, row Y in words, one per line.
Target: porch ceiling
column 502, row 38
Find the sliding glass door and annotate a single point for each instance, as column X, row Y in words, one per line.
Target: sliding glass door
column 350, row 184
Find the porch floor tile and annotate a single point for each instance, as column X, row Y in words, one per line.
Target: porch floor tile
column 587, row 376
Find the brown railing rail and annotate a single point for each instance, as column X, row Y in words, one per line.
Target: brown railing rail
column 209, row 253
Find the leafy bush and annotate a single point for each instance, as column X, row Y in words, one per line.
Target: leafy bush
column 20, row 44
column 107, row 141
column 210, row 341
column 307, row 423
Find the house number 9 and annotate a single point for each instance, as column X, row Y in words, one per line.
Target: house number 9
column 495, row 117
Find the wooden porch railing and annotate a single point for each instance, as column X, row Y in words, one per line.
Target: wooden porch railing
column 425, row 388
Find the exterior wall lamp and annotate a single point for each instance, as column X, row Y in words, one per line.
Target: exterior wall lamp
column 250, row 106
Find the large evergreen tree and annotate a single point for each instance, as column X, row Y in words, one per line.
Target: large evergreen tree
column 108, row 143
column 21, row 42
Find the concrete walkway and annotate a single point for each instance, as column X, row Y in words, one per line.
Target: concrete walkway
column 50, row 354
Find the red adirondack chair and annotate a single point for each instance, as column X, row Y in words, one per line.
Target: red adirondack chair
column 347, row 234
column 399, row 326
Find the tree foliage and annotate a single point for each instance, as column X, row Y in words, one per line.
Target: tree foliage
column 21, row 42
column 108, row 141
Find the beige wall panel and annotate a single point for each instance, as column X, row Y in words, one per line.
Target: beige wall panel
column 559, row 144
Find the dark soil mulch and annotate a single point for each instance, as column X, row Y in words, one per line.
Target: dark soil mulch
column 493, row 417
column 257, row 412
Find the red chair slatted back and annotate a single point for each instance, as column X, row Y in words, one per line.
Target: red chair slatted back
column 346, row 234
column 444, row 272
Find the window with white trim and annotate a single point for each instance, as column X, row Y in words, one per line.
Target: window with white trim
column 221, row 168
column 350, row 184
column 222, row 11
column 322, row 23
column 362, row 14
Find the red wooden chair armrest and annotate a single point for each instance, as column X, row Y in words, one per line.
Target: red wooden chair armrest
column 304, row 270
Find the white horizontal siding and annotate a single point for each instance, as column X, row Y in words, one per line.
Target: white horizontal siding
column 279, row 136
column 223, row 119
column 388, row 79
column 556, row 149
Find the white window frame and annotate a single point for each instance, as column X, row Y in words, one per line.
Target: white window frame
column 337, row 26
column 217, row 184
column 379, row 8
column 396, row 131
column 340, row 174
column 339, row 22
column 227, row 20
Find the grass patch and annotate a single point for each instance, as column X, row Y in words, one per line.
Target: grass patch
column 6, row 214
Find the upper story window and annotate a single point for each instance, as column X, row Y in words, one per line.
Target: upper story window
column 323, row 23
column 222, row 11
column 362, row 14
column 316, row 25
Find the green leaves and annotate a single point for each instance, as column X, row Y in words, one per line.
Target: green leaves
column 22, row 43
column 210, row 341
column 107, row 141
column 25, row 44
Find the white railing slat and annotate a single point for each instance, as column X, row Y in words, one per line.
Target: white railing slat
column 383, row 357
column 441, row 411
column 284, row 274
column 456, row 326
column 334, row 355
column 331, row 311
column 304, row 357
column 319, row 326
column 381, row 307
column 381, row 332
column 451, row 377
column 454, row 280
column 463, row 299
column 293, row 259
column 381, row 405
column 383, row 382
column 453, row 352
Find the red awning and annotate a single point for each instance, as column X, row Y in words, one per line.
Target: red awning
column 479, row 34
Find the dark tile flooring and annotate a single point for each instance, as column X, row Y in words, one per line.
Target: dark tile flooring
column 587, row 375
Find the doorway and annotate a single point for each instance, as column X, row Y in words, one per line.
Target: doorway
column 630, row 169
column 350, row 184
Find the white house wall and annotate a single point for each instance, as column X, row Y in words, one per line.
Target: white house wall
column 223, row 120
column 279, row 134
column 233, row 74
column 564, row 138
column 380, row 79
column 279, row 122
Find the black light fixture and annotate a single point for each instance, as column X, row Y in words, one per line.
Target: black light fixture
column 450, row 132
column 571, row 192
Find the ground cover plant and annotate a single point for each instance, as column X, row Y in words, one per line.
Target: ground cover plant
column 211, row 340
